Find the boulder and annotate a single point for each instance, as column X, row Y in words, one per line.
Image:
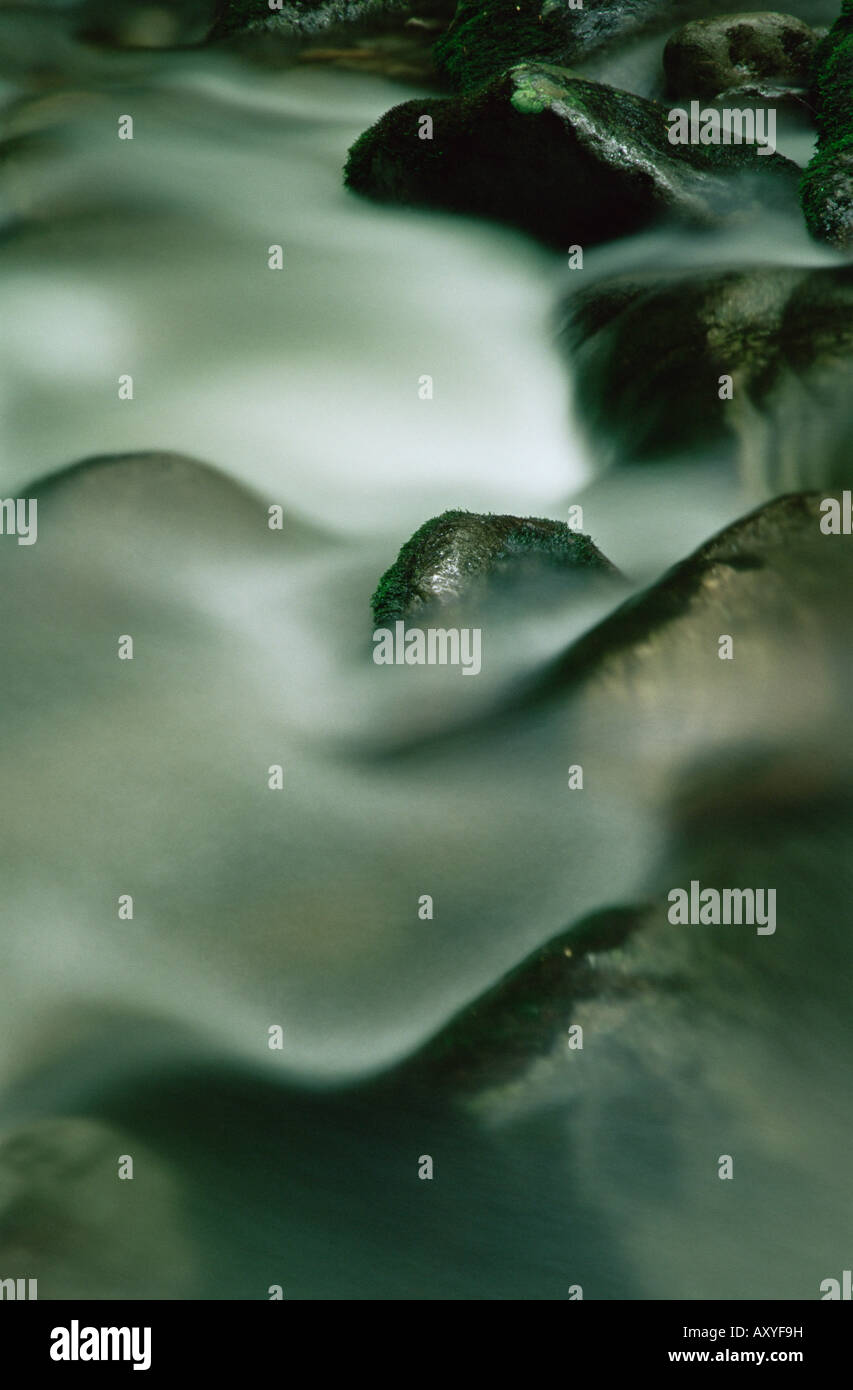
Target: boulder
column 570, row 161
column 827, row 186
column 484, row 40
column 708, row 56
column 461, row 554
column 648, row 352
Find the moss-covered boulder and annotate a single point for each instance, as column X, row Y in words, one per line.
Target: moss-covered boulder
column 570, row 161
column 486, row 38
column 709, row 56
column 463, row 554
column 648, row 352
column 827, row 185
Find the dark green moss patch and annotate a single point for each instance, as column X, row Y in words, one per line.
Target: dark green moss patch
column 486, row 38
column 826, row 190
column 450, row 555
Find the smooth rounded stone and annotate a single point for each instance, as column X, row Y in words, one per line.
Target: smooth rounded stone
column 827, row 186
column 649, row 352
column 71, row 1223
column 570, row 161
column 484, row 40
column 458, row 555
column 709, row 56
column 780, row 586
column 162, row 499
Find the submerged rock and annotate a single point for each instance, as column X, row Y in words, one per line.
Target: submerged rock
column 649, row 352
column 827, row 186
column 709, row 56
column 461, row 553
column 656, row 716
column 526, row 1014
column 777, row 584
column 69, row 1221
column 164, row 496
column 568, row 160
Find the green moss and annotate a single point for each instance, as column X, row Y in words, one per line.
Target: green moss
column 485, row 38
column 826, row 188
column 477, row 544
column 580, row 173
column 239, row 15
column 393, row 592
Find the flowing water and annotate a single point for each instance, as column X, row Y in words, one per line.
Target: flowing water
column 298, row 908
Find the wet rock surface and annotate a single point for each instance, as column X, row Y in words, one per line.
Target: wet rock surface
column 568, row 160
column 710, row 56
column 460, row 555
column 753, row 616
column 827, row 187
column 484, row 40
column 650, row 352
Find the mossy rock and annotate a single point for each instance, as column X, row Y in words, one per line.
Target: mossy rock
column 458, row 555
column 647, row 352
column 826, row 190
column 710, row 56
column 568, row 160
column 487, row 38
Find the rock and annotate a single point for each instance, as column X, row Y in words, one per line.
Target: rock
column 729, row 783
column 648, row 352
column 68, row 1221
column 393, row 38
column 462, row 553
column 568, row 160
column 793, row 100
column 709, row 56
column 162, row 495
column 827, row 186
column 484, row 40
column 522, row 1017
column 776, row 583
column 305, row 18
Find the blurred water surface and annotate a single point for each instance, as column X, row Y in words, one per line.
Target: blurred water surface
column 252, row 907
